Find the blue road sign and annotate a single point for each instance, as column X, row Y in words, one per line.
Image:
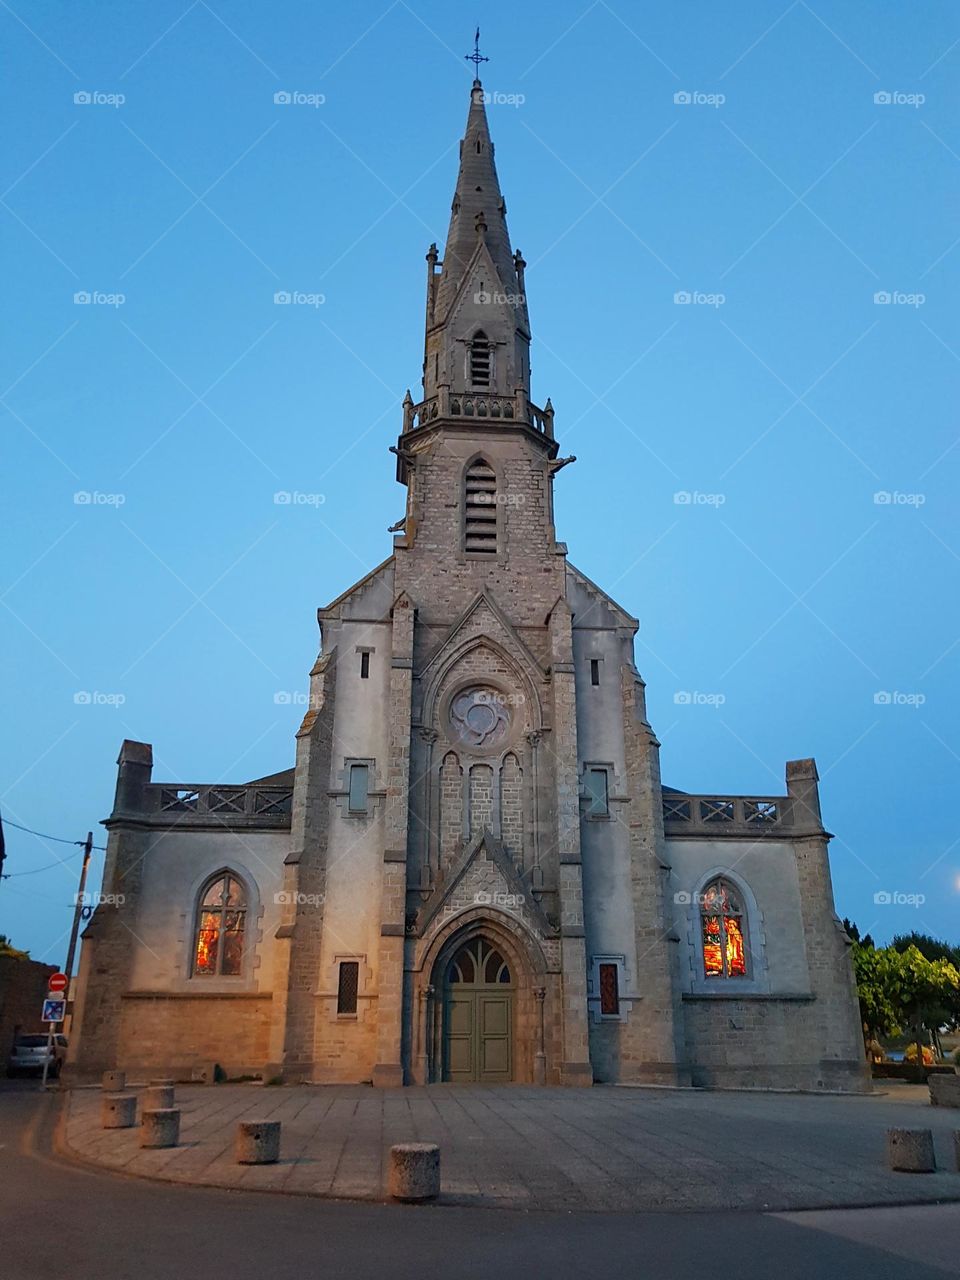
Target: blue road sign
column 54, row 1011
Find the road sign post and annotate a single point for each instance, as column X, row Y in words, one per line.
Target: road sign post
column 54, row 1011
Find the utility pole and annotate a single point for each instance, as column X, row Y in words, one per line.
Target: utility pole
column 78, row 909
column 72, row 948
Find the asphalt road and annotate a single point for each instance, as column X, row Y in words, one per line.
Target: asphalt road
column 60, row 1221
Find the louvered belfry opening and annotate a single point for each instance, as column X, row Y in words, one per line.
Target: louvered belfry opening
column 480, row 509
column 480, row 361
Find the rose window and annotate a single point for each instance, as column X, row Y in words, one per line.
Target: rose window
column 480, row 718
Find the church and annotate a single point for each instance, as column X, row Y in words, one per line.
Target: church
column 473, row 872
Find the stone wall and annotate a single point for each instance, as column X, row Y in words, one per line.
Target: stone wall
column 163, row 1034
column 23, row 987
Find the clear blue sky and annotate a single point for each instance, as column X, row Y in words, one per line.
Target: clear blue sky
column 797, row 198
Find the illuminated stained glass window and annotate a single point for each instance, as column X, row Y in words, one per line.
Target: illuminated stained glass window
column 220, row 927
column 722, row 925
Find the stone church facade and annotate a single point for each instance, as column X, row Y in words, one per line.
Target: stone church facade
column 473, row 872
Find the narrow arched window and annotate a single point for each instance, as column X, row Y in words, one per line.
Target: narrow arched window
column 221, row 919
column 480, row 509
column 479, row 358
column 723, row 926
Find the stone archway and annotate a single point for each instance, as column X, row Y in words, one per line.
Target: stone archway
column 498, row 1015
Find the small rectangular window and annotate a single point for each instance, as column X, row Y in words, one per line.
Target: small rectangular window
column 597, row 790
column 609, row 991
column 365, row 665
column 594, row 670
column 357, row 802
column 347, row 986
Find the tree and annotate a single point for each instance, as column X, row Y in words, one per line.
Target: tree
column 935, row 949
column 877, row 984
column 852, row 932
column 929, row 991
column 902, row 989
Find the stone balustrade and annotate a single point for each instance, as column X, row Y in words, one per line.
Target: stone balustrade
column 183, row 805
column 479, row 405
column 728, row 816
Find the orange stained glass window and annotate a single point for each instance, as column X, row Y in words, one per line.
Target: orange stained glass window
column 721, row 916
column 220, row 928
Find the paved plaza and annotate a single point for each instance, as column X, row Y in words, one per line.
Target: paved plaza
column 602, row 1149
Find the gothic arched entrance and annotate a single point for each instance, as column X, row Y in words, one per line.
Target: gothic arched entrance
column 477, row 1017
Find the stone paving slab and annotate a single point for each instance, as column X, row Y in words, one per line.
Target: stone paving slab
column 517, row 1147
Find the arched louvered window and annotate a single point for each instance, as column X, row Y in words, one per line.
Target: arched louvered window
column 218, row 938
column 478, row 964
column 480, row 359
column 480, row 509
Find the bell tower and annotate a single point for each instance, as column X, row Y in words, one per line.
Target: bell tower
column 476, row 454
column 481, row 816
column 477, row 329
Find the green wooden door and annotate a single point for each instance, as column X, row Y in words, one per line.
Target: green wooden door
column 478, row 1017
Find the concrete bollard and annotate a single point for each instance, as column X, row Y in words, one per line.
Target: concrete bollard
column 158, row 1097
column 911, row 1150
column 161, row 1084
column 414, row 1171
column 160, row 1128
column 258, row 1142
column 956, row 1149
column 118, row 1110
column 113, row 1081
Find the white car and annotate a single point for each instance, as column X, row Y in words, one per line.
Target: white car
column 29, row 1053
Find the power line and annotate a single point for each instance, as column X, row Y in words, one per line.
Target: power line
column 12, row 875
column 59, row 839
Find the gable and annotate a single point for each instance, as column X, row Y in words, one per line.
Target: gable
column 591, row 606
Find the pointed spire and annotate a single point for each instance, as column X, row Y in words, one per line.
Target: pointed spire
column 478, row 210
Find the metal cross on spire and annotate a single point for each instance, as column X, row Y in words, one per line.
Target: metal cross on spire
column 476, row 57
